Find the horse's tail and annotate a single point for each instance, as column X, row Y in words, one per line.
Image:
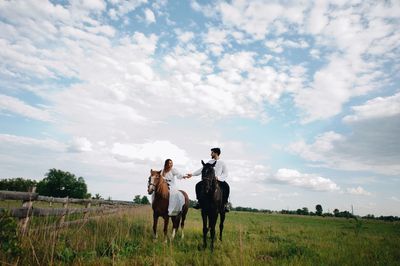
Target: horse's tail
column 185, row 208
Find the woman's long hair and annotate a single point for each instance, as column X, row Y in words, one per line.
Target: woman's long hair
column 166, row 167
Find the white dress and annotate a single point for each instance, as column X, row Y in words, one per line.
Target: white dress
column 176, row 198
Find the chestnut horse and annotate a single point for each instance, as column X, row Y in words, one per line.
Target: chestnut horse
column 211, row 204
column 159, row 186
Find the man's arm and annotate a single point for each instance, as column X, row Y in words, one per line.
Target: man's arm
column 195, row 173
column 224, row 174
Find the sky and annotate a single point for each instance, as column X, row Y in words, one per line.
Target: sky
column 302, row 97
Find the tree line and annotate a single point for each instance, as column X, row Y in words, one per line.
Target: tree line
column 319, row 212
column 56, row 183
column 59, row 184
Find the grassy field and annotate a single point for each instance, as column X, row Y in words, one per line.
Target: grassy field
column 249, row 239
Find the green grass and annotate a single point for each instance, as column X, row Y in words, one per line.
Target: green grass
column 249, row 239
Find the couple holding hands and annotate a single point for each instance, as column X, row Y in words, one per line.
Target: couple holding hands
column 221, row 173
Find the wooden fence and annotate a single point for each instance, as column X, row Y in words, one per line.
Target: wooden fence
column 92, row 206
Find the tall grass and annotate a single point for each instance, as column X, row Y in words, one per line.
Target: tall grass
column 249, row 239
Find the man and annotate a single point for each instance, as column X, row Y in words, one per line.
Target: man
column 221, row 173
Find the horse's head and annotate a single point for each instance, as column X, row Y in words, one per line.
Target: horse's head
column 154, row 180
column 208, row 175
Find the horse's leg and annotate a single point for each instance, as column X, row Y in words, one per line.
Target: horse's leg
column 213, row 222
column 175, row 224
column 155, row 221
column 185, row 209
column 183, row 221
column 205, row 228
column 221, row 223
column 166, row 220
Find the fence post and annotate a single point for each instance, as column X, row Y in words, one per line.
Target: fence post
column 86, row 216
column 27, row 204
column 65, row 206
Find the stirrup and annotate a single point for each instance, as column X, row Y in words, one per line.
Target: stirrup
column 226, row 208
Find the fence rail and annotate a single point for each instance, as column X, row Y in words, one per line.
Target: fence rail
column 105, row 207
column 30, row 196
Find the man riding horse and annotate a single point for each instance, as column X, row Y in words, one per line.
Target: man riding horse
column 221, row 173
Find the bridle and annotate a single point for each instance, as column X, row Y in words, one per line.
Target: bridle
column 208, row 176
column 150, row 186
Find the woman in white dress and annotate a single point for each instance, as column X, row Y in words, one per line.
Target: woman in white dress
column 176, row 199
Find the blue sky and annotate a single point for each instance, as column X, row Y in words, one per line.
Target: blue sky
column 302, row 97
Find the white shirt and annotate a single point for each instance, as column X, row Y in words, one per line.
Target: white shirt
column 220, row 170
column 171, row 176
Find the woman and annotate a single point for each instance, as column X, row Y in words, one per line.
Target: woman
column 176, row 199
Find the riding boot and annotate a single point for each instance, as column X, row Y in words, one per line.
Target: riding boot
column 197, row 206
column 226, row 207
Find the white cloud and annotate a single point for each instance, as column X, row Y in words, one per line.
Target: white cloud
column 149, row 15
column 215, row 39
column 308, row 181
column 14, row 105
column 359, row 191
column 317, row 151
column 80, row 144
column 376, row 108
column 48, row 144
column 242, row 61
column 154, row 151
column 185, row 36
column 370, row 146
column 120, row 8
column 94, row 4
column 278, row 45
column 318, row 17
column 329, row 91
column 288, row 195
column 258, row 18
column 395, row 198
column 207, row 10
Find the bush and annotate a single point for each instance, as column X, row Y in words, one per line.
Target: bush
column 17, row 184
column 62, row 184
column 9, row 241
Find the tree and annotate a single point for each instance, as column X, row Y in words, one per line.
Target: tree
column 192, row 203
column 62, row 184
column 17, row 184
column 97, row 196
column 318, row 209
column 137, row 199
column 144, row 200
column 336, row 212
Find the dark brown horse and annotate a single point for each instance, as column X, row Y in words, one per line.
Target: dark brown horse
column 159, row 186
column 211, row 204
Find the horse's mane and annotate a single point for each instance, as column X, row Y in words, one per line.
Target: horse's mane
column 162, row 187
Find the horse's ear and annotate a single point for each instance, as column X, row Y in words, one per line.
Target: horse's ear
column 214, row 164
column 159, row 172
column 202, row 162
column 151, row 171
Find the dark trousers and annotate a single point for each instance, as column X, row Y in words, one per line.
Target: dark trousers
column 222, row 184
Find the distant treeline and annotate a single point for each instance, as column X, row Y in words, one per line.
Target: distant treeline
column 305, row 211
